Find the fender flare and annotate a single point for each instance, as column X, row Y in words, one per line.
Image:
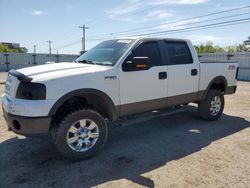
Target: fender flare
column 216, row 79
column 112, row 112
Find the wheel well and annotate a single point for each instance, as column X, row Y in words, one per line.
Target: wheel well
column 89, row 101
column 219, row 85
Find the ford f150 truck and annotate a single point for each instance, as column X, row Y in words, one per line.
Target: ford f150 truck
column 73, row 101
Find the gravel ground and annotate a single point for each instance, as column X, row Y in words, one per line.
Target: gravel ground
column 176, row 151
column 3, row 77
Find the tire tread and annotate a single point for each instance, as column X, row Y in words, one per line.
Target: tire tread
column 55, row 131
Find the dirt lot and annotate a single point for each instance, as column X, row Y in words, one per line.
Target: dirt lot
column 176, row 151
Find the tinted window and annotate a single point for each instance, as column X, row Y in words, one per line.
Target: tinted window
column 179, row 53
column 148, row 49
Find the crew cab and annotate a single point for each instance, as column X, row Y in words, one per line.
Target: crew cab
column 73, row 101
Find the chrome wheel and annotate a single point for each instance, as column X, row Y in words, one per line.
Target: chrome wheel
column 215, row 106
column 82, row 135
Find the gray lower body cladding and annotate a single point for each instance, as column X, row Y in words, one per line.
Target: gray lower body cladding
column 28, row 126
column 144, row 106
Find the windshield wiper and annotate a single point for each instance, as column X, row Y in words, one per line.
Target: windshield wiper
column 104, row 63
column 87, row 62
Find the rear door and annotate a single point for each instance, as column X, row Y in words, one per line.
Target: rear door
column 144, row 90
column 183, row 73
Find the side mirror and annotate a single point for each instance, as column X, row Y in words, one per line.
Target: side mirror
column 136, row 64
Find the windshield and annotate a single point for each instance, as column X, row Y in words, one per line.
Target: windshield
column 105, row 53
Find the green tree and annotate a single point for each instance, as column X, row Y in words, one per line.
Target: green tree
column 6, row 49
column 208, row 47
column 241, row 48
column 219, row 49
column 230, row 49
column 3, row 48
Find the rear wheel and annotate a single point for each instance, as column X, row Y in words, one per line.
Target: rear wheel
column 81, row 134
column 212, row 107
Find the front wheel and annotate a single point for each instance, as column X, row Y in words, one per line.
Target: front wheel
column 212, row 107
column 81, row 134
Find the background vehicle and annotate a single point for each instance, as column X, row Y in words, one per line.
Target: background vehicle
column 117, row 78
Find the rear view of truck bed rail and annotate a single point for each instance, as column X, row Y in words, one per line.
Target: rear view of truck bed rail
column 216, row 61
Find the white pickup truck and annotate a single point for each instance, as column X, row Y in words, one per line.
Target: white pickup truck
column 74, row 100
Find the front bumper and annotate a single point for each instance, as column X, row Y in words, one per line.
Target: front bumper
column 27, row 108
column 27, row 126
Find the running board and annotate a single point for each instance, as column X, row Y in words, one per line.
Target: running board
column 134, row 119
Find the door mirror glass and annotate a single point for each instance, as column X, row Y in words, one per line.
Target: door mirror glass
column 136, row 64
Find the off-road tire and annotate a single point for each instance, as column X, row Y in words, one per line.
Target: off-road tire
column 205, row 105
column 59, row 134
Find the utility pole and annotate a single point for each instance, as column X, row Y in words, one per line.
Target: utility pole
column 34, row 51
column 83, row 37
column 49, row 41
column 34, row 55
column 57, row 56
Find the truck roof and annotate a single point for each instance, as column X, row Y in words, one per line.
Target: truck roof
column 154, row 38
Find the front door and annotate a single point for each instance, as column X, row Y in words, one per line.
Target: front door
column 144, row 90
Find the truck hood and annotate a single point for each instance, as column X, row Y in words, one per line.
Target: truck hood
column 57, row 70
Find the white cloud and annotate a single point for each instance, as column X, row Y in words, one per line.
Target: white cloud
column 160, row 14
column 176, row 25
column 37, row 12
column 217, row 40
column 177, row 2
column 126, row 12
column 132, row 8
column 123, row 9
column 131, row 19
column 197, row 39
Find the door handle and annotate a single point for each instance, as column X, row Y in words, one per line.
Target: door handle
column 194, row 72
column 162, row 75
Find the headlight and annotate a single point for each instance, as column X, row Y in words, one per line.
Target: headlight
column 31, row 91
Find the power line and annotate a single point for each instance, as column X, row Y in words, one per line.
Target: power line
column 132, row 31
column 68, row 44
column 78, row 41
column 149, row 28
column 192, row 23
column 196, row 27
column 90, row 21
column 101, row 18
column 209, row 27
column 187, row 19
column 155, row 25
column 202, row 27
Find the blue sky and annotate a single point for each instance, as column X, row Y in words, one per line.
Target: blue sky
column 32, row 22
